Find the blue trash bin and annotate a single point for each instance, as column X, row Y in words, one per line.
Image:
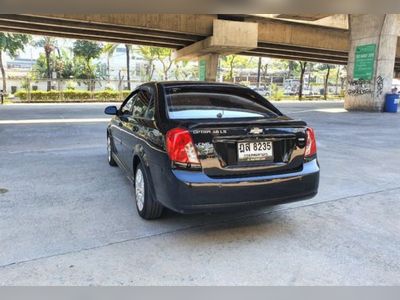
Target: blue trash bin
column 391, row 103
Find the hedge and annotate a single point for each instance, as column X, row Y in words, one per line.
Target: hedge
column 72, row 96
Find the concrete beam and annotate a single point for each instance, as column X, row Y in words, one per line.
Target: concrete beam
column 284, row 39
column 303, row 35
column 303, row 17
column 223, row 41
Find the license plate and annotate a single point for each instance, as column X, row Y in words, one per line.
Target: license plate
column 250, row 151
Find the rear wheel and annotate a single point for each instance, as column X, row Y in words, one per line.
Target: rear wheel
column 111, row 160
column 146, row 206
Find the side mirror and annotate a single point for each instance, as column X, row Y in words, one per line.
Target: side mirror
column 111, row 110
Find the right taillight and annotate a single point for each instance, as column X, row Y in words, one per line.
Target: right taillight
column 311, row 144
column 180, row 146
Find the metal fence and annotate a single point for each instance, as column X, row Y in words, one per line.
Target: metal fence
column 116, row 90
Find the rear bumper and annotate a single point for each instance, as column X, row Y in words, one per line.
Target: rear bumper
column 190, row 192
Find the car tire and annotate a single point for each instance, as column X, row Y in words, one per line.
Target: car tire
column 148, row 208
column 110, row 152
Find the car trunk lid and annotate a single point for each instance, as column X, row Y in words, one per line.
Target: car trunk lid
column 269, row 147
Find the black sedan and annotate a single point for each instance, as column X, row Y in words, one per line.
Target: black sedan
column 196, row 147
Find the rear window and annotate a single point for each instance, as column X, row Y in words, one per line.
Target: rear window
column 216, row 102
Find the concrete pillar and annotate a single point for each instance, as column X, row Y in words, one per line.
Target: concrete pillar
column 208, row 67
column 369, row 82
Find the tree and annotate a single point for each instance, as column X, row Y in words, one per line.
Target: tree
column 48, row 44
column 128, row 65
column 62, row 64
column 109, row 50
column 86, row 51
column 184, row 70
column 327, row 68
column 150, row 55
column 164, row 56
column 231, row 62
column 10, row 44
column 303, row 66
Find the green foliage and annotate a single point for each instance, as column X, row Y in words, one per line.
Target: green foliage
column 232, row 62
column 163, row 55
column 106, row 95
column 71, row 95
column 109, row 49
column 25, row 83
column 87, row 49
column 277, row 92
column 40, row 69
column 39, row 95
column 12, row 43
column 71, row 85
column 23, row 95
column 48, row 43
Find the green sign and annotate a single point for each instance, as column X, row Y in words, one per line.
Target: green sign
column 202, row 69
column 364, row 62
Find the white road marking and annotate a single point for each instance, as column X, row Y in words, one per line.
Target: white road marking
column 48, row 121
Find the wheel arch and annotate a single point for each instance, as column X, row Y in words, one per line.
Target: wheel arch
column 139, row 158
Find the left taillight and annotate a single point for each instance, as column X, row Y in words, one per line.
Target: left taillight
column 180, row 146
column 311, row 144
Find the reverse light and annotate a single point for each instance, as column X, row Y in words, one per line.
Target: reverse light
column 180, row 146
column 311, row 144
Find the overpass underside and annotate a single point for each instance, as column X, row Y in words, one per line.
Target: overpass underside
column 276, row 38
column 367, row 44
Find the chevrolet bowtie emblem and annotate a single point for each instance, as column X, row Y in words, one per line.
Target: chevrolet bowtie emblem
column 256, row 130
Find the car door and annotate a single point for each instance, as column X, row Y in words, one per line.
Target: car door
column 135, row 127
column 118, row 134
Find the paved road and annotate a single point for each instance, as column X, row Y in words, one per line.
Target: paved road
column 66, row 217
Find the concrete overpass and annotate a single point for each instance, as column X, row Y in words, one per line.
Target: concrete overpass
column 309, row 37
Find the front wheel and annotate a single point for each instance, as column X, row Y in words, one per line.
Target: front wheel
column 110, row 157
column 146, row 206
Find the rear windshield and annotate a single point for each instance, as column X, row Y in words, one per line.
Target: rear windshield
column 216, row 102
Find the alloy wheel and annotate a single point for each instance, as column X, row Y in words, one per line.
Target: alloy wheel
column 139, row 189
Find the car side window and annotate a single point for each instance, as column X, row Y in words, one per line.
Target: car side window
column 126, row 108
column 141, row 104
column 150, row 110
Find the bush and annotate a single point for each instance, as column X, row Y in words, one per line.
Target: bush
column 125, row 93
column 70, row 95
column 107, row 95
column 23, row 95
column 76, row 95
column 276, row 92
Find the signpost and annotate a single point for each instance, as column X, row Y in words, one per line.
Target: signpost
column 364, row 62
column 202, row 70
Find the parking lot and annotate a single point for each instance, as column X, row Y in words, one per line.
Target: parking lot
column 67, row 218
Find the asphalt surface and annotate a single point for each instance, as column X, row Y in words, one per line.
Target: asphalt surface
column 67, row 218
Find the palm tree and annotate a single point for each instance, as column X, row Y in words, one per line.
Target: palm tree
column 109, row 49
column 48, row 44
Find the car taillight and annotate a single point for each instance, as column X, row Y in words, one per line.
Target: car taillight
column 180, row 147
column 311, row 144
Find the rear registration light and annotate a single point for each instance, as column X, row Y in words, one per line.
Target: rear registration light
column 311, row 144
column 180, row 146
